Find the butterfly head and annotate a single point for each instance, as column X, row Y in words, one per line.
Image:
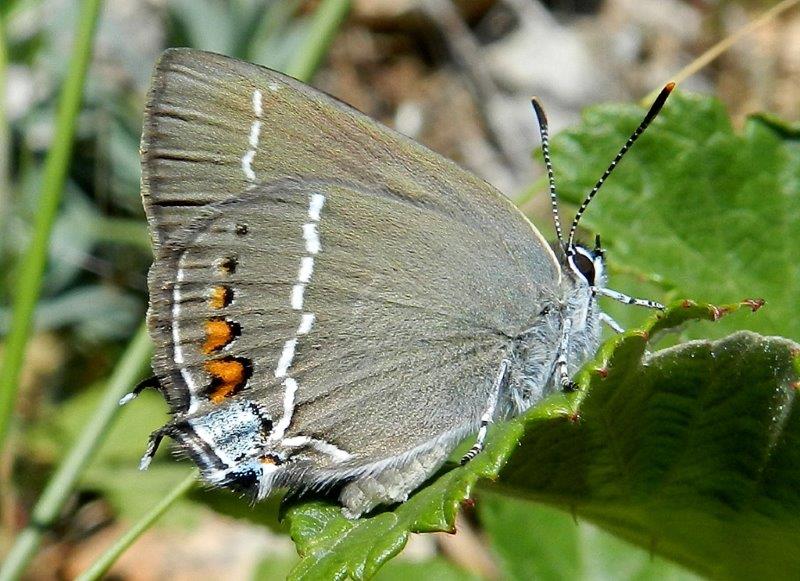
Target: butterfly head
column 587, row 265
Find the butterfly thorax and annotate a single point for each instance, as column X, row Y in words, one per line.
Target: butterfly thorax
column 581, row 306
column 584, row 271
column 574, row 307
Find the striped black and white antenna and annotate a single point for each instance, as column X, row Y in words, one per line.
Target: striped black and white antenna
column 651, row 114
column 545, row 134
column 543, row 130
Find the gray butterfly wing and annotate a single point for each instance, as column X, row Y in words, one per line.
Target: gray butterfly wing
column 414, row 275
column 214, row 126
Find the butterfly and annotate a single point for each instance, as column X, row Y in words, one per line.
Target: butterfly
column 334, row 306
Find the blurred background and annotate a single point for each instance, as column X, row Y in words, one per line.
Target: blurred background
column 456, row 76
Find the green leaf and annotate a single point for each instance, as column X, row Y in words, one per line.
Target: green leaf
column 532, row 541
column 695, row 208
column 692, row 452
column 696, row 453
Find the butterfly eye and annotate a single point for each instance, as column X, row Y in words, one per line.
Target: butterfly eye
column 583, row 265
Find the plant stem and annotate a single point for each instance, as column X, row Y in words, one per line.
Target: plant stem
column 31, row 270
column 321, row 32
column 61, row 484
column 110, row 556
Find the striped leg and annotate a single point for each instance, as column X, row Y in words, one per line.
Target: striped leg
column 488, row 414
column 561, row 361
column 155, row 441
column 152, row 446
column 625, row 299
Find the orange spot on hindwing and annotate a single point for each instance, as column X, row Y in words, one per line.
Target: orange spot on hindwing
column 228, row 376
column 219, row 333
column 220, row 297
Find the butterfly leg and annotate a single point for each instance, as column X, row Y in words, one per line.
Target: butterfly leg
column 625, row 299
column 499, row 382
column 155, row 441
column 613, row 325
column 561, row 361
column 152, row 446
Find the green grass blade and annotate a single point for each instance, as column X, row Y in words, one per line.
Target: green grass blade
column 49, row 506
column 326, row 22
column 31, row 270
column 109, row 557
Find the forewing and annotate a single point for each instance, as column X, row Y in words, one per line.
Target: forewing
column 214, row 126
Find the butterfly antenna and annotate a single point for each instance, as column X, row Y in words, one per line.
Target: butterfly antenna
column 543, row 131
column 654, row 109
